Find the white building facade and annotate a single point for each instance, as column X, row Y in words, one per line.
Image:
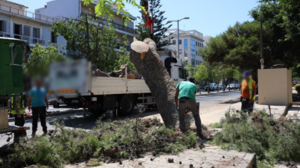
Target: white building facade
column 17, row 22
column 190, row 42
column 76, row 8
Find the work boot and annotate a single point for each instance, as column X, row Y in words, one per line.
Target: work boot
column 33, row 134
column 200, row 135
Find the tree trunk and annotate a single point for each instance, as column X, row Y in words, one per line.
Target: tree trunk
column 148, row 63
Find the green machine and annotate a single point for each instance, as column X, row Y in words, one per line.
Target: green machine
column 13, row 55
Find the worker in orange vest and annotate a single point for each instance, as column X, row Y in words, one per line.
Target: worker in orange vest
column 248, row 92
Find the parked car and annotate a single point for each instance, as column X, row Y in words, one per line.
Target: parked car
column 212, row 86
column 220, row 87
column 237, row 85
column 231, row 86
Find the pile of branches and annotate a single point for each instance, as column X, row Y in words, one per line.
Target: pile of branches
column 107, row 142
column 270, row 139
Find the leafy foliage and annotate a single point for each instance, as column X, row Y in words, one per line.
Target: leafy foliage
column 207, row 72
column 297, row 88
column 282, row 18
column 159, row 27
column 108, row 140
column 239, row 46
column 143, row 32
column 101, row 45
column 124, row 57
column 105, row 7
column 269, row 139
column 40, row 60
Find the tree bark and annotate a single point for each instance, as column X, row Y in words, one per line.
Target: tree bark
column 148, row 63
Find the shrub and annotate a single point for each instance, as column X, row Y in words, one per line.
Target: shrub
column 269, row 139
column 108, row 140
column 297, row 88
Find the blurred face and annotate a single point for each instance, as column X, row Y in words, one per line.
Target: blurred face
column 39, row 84
column 247, row 77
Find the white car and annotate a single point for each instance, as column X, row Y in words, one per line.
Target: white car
column 231, row 86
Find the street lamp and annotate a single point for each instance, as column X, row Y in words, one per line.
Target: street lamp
column 170, row 21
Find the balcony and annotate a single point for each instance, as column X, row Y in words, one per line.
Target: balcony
column 4, row 34
column 115, row 25
column 27, row 14
column 31, row 40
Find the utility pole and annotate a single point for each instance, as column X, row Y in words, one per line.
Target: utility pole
column 88, row 38
column 178, row 38
column 261, row 44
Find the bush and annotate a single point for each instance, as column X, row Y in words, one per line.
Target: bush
column 269, row 139
column 297, row 88
column 108, row 140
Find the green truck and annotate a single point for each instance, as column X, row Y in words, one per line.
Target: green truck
column 13, row 55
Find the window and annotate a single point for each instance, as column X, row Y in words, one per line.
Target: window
column 17, row 31
column 53, row 38
column 180, row 41
column 3, row 28
column 173, row 41
column 193, row 62
column 36, row 35
column 185, row 47
column 181, row 73
column 196, row 53
column 180, row 51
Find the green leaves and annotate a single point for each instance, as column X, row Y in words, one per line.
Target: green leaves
column 105, row 8
column 88, row 38
column 239, row 47
column 40, row 60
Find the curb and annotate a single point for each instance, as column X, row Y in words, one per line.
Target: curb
column 49, row 114
column 217, row 93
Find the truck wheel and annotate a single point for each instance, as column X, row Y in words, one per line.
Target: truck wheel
column 96, row 109
column 127, row 105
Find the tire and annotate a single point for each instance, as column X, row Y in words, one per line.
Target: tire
column 127, row 105
column 96, row 109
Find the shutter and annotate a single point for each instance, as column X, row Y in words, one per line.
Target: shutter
column 21, row 32
column 3, row 25
column 38, row 33
column 27, row 31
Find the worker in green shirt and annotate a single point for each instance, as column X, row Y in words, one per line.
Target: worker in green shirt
column 185, row 92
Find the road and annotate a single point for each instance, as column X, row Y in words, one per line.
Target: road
column 212, row 108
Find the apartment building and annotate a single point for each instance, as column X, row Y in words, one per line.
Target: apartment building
column 190, row 42
column 76, row 8
column 17, row 22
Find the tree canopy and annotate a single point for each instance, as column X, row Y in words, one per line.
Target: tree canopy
column 159, row 27
column 104, row 7
column 90, row 39
column 282, row 18
column 40, row 60
column 239, row 46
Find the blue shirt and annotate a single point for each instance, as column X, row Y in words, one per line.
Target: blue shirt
column 38, row 97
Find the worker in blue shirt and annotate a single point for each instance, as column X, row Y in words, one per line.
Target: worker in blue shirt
column 38, row 102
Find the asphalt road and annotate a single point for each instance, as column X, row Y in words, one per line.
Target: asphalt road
column 208, row 104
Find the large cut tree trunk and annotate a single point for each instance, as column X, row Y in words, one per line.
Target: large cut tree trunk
column 148, row 63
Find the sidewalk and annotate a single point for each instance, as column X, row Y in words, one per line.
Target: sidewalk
column 204, row 93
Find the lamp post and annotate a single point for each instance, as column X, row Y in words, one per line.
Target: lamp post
column 170, row 21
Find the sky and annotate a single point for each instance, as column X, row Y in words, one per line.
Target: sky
column 210, row 17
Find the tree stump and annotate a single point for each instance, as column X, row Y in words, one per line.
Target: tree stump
column 148, row 63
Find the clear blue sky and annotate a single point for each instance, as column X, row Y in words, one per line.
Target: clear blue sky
column 210, row 17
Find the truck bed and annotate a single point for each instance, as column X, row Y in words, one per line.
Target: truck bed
column 113, row 85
